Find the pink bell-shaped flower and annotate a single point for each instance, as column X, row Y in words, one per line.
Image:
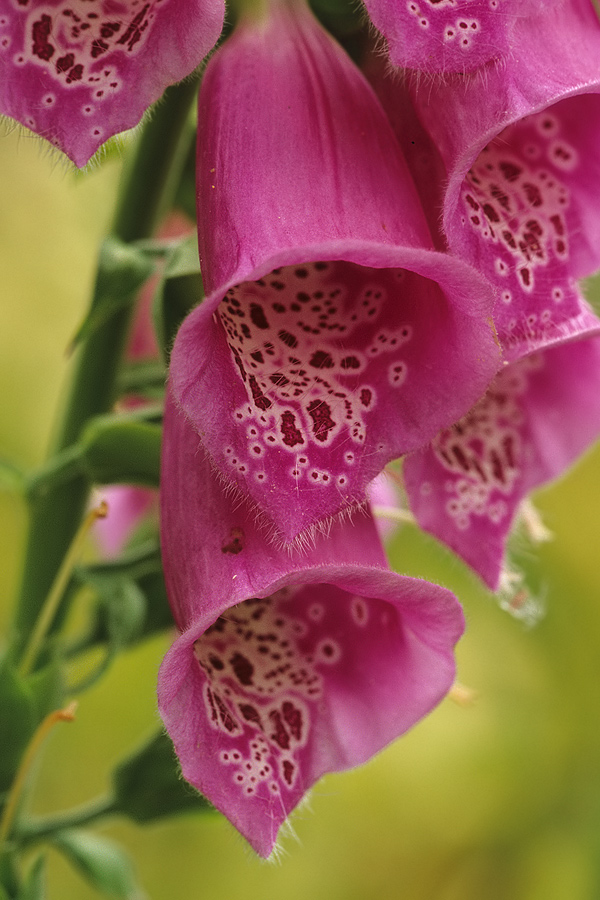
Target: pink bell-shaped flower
column 520, row 146
column 77, row 72
column 520, row 202
column 333, row 338
column 289, row 664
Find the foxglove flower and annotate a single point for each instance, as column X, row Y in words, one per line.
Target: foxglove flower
column 520, row 146
column 520, row 201
column 288, row 665
column 540, row 413
column 451, row 35
column 77, row 73
column 332, row 338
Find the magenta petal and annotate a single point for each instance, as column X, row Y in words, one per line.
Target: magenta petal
column 290, row 665
column 520, row 147
column 538, row 416
column 332, row 339
column 77, row 73
column 451, row 35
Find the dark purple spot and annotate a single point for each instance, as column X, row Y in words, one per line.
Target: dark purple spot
column 320, row 413
column 42, row 48
column 291, row 434
column 257, row 395
column 288, row 339
column 65, row 62
column 235, row 543
column 288, row 771
column 243, row 668
column 257, row 314
column 250, row 714
column 293, row 718
column 510, row 171
column 321, row 360
column 279, row 380
column 279, row 735
column 350, row 362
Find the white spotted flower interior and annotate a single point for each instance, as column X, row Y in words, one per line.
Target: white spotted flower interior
column 537, row 417
column 288, row 665
column 78, row 71
column 333, row 337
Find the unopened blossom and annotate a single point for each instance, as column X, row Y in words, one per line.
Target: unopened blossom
column 77, row 72
column 439, row 36
column 289, row 665
column 333, row 338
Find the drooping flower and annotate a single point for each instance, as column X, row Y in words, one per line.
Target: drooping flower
column 540, row 413
column 519, row 201
column 451, row 35
column 288, row 665
column 523, row 174
column 333, row 338
column 77, row 73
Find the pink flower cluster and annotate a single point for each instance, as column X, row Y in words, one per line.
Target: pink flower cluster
column 391, row 260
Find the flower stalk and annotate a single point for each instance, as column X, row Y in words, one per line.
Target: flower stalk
column 147, row 191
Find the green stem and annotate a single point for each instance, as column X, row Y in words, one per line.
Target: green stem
column 146, row 194
column 34, row 830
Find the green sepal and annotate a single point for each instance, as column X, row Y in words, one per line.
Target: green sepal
column 179, row 290
column 18, row 719
column 148, row 785
column 101, row 862
column 122, row 450
column 33, row 887
column 122, row 270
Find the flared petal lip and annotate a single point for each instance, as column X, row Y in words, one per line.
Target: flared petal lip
column 476, row 294
column 459, row 167
column 585, row 325
column 372, row 582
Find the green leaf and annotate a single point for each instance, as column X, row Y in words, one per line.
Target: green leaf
column 18, row 720
column 100, row 861
column 34, row 886
column 116, row 449
column 122, row 270
column 149, row 786
column 179, row 290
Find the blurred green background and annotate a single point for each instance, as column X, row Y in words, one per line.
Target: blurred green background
column 498, row 800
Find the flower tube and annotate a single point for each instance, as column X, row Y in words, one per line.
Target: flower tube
column 333, row 338
column 289, row 664
column 77, row 73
